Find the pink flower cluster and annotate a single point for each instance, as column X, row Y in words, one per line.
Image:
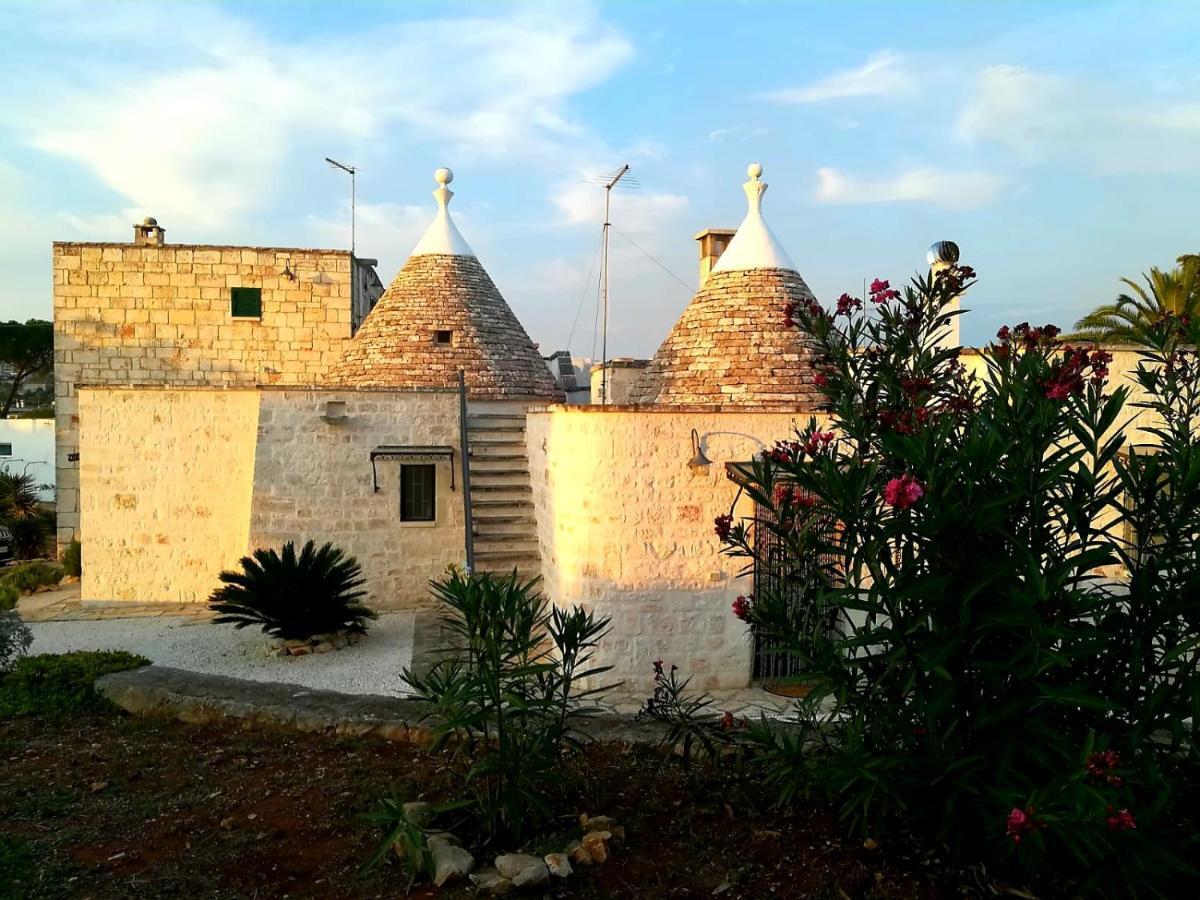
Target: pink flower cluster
column 742, row 607
column 1120, row 820
column 903, row 492
column 882, row 292
column 1102, row 767
column 846, row 304
column 1020, row 821
column 723, row 525
column 1067, row 374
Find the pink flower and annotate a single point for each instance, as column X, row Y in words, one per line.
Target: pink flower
column 820, row 380
column 658, row 668
column 881, row 291
column 903, row 492
column 727, row 721
column 1121, row 820
column 722, row 525
column 742, row 607
column 1020, row 821
column 846, row 303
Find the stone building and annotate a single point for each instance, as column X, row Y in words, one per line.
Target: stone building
column 624, row 522
column 216, row 401
column 152, row 313
column 199, row 421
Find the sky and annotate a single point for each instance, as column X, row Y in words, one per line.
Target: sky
column 1057, row 143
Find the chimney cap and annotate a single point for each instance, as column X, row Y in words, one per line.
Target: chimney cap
column 149, row 220
column 942, row 253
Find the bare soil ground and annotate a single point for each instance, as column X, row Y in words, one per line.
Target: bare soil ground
column 109, row 806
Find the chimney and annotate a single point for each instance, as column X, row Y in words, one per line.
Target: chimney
column 149, row 233
column 713, row 242
column 941, row 256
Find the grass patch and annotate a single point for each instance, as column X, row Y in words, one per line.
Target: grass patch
column 51, row 684
column 16, row 865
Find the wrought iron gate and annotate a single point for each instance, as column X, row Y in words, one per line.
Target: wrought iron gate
column 778, row 575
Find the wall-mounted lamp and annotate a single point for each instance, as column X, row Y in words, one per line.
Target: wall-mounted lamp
column 699, row 463
column 287, row 271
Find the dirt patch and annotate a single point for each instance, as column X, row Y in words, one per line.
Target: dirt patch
column 109, row 807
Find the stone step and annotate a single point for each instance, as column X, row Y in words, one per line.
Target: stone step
column 510, row 556
column 481, row 453
column 491, row 537
column 493, row 488
column 491, row 463
column 499, row 516
column 495, row 420
column 500, row 482
column 487, row 504
column 496, row 439
column 525, row 544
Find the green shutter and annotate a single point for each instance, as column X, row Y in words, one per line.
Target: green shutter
column 417, row 493
column 246, row 302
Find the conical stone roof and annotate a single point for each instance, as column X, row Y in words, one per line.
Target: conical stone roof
column 442, row 314
column 733, row 344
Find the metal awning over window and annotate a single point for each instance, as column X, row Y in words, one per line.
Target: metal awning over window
column 390, row 452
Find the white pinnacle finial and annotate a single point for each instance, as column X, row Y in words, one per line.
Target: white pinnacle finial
column 753, row 247
column 443, row 237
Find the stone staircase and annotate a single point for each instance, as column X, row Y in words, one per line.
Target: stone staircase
column 501, row 495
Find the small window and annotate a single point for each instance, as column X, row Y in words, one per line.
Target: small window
column 246, row 302
column 417, row 493
column 5, row 449
column 443, row 336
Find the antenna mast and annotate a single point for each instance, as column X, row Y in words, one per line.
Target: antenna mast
column 608, row 189
column 352, row 170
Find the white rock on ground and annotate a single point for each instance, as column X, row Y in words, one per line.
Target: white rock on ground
column 450, row 861
column 372, row 666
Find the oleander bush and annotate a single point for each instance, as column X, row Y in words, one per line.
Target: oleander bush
column 514, row 679
column 975, row 679
column 61, row 684
column 294, row 596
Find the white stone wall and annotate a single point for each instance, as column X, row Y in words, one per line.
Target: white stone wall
column 165, row 480
column 128, row 315
column 178, row 484
column 313, row 480
column 625, row 528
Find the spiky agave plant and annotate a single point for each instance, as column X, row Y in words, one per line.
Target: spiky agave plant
column 294, row 597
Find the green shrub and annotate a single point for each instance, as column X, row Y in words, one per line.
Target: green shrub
column 30, row 576
column 294, row 597
column 9, row 595
column 72, row 559
column 55, row 684
column 507, row 693
column 931, row 561
column 15, row 638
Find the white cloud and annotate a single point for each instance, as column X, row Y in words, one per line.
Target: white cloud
column 205, row 137
column 950, row 190
column 385, row 231
column 1047, row 117
column 634, row 212
column 884, row 73
column 734, row 133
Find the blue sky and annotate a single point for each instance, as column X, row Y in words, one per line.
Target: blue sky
column 1057, row 143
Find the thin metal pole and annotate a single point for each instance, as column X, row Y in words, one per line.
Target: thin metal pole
column 466, row 470
column 353, row 176
column 604, row 290
column 607, row 225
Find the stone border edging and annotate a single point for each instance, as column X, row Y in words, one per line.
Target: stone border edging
column 164, row 692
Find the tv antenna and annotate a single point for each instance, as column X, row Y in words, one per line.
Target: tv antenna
column 609, row 182
column 352, row 170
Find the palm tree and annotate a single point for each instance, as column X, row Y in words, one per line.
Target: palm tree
column 1124, row 321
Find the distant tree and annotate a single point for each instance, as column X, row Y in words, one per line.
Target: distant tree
column 26, row 350
column 1124, row 321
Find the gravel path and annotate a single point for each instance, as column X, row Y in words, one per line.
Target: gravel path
column 372, row 666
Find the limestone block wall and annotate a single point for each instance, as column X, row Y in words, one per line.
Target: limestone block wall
column 128, row 314
column 625, row 528
column 166, row 481
column 313, row 480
